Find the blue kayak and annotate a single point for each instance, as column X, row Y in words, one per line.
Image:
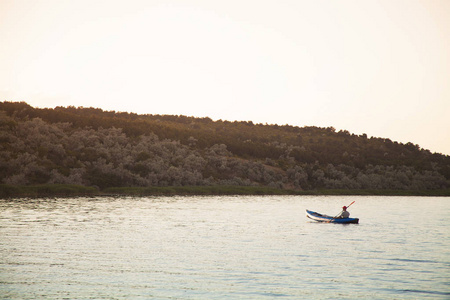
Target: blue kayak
column 324, row 218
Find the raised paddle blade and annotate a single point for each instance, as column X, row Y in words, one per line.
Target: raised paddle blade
column 350, row 204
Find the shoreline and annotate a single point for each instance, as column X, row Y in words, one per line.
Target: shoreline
column 65, row 190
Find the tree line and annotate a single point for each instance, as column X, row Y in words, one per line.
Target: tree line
column 92, row 147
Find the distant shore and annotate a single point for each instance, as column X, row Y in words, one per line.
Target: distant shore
column 62, row 190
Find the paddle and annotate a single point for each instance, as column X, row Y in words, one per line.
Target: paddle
column 340, row 212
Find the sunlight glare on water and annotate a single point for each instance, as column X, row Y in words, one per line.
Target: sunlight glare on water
column 224, row 247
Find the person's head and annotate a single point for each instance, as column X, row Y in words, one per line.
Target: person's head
column 344, row 208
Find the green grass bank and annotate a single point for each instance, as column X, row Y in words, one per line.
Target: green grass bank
column 63, row 190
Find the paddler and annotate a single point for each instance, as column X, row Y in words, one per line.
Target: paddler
column 344, row 214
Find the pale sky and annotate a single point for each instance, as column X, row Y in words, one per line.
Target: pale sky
column 375, row 67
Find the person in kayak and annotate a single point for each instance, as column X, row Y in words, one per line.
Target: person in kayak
column 344, row 214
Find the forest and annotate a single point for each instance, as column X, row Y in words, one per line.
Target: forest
column 103, row 149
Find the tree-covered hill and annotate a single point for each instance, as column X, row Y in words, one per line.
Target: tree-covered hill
column 92, row 147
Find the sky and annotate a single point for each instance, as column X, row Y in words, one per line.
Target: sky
column 375, row 67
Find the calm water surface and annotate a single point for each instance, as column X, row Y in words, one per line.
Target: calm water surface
column 224, row 247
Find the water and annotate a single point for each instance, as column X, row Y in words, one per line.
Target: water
column 224, row 248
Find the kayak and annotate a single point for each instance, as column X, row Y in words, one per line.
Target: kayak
column 324, row 218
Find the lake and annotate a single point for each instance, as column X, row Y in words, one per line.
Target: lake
column 242, row 247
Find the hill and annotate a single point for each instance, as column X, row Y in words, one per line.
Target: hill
column 92, row 147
